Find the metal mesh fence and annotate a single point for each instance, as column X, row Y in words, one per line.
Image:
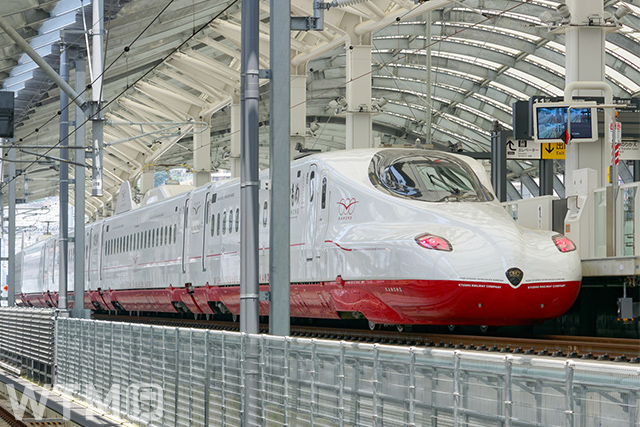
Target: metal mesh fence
column 161, row 376
column 27, row 341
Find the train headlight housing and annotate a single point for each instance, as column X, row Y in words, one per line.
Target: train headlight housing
column 563, row 243
column 437, row 243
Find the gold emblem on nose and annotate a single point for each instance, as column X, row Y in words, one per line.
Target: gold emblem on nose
column 515, row 276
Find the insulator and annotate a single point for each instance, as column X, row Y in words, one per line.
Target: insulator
column 345, row 3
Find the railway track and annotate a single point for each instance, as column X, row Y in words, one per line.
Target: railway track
column 596, row 348
column 8, row 419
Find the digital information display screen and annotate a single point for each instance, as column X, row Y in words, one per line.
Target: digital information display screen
column 551, row 123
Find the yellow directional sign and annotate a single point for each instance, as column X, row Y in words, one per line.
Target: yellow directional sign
column 553, row 150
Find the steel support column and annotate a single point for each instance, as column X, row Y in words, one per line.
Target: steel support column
column 97, row 130
column 249, row 186
column 79, row 193
column 546, row 177
column 499, row 161
column 12, row 229
column 63, row 240
column 249, row 183
column 280, row 166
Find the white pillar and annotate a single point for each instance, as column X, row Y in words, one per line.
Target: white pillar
column 585, row 61
column 147, row 179
column 359, row 133
column 298, row 111
column 202, row 152
column 235, row 137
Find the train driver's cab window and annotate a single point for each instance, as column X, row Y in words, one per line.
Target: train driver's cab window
column 426, row 176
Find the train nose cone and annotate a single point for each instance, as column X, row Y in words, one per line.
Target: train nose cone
column 515, row 276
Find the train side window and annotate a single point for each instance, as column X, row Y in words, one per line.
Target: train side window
column 237, row 219
column 161, row 236
column 157, row 238
column 323, row 200
column 265, row 213
column 170, row 234
column 230, row 221
column 213, row 224
column 224, row 223
column 312, row 185
column 218, row 226
column 175, row 233
column 166, row 234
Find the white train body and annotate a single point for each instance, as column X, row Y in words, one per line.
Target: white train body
column 358, row 219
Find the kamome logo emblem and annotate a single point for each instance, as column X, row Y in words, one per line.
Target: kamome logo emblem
column 346, row 206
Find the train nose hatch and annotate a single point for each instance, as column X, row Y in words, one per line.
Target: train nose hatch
column 515, row 276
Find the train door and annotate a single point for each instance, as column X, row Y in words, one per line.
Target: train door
column 101, row 250
column 311, row 240
column 94, row 256
column 205, row 229
column 43, row 262
column 324, row 199
column 184, row 235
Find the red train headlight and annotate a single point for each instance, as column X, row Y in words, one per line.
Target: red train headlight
column 430, row 241
column 563, row 243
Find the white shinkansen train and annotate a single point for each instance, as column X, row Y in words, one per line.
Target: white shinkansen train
column 397, row 236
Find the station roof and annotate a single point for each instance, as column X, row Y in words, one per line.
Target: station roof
column 169, row 63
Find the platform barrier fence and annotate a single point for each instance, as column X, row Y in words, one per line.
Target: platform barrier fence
column 164, row 376
column 27, row 341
